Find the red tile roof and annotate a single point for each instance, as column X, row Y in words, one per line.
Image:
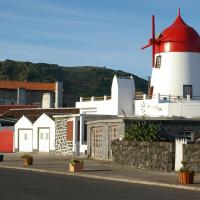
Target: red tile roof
column 5, row 84
column 5, row 108
column 34, row 113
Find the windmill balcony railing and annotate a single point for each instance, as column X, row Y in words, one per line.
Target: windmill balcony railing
column 168, row 98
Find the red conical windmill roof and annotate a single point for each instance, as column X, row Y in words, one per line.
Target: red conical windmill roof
column 179, row 37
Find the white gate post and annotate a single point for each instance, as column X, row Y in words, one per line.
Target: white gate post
column 179, row 153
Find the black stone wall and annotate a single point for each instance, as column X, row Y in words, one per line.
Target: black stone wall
column 145, row 155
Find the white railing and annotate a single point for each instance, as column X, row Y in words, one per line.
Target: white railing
column 103, row 98
column 167, row 98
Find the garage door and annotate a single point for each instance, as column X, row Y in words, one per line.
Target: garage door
column 44, row 139
column 25, row 140
column 96, row 142
column 6, row 141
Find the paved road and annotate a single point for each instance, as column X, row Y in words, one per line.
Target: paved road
column 25, row 185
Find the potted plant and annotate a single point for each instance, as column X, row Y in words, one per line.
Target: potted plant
column 186, row 174
column 28, row 159
column 76, row 165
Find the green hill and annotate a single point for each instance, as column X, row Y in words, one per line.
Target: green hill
column 85, row 81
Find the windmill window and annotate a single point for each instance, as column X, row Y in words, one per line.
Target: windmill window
column 158, row 61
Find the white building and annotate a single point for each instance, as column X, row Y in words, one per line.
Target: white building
column 44, row 133
column 121, row 102
column 36, row 136
column 23, row 136
column 175, row 83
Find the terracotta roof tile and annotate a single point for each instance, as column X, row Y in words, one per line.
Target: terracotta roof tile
column 5, row 108
column 4, row 84
column 36, row 112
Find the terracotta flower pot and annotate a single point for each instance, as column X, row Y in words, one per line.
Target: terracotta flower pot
column 28, row 161
column 76, row 167
column 186, row 177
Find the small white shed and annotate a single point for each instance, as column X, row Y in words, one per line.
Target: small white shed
column 44, row 134
column 23, row 136
column 37, row 136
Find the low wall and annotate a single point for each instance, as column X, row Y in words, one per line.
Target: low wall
column 191, row 154
column 146, row 155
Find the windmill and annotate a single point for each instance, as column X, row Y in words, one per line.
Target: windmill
column 175, row 60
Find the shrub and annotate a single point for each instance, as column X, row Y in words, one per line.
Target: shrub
column 74, row 161
column 27, row 156
column 142, row 131
column 186, row 167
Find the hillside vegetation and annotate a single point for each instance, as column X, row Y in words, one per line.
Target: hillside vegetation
column 85, row 81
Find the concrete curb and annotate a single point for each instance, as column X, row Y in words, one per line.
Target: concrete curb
column 185, row 187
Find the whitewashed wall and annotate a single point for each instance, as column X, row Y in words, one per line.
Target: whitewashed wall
column 123, row 95
column 182, row 108
column 97, row 107
column 22, row 123
column 122, row 98
column 150, row 107
column 177, row 69
column 179, row 153
column 44, row 121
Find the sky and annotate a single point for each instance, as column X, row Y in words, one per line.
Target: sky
column 101, row 33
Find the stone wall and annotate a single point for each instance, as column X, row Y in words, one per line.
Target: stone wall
column 63, row 146
column 191, row 154
column 145, row 155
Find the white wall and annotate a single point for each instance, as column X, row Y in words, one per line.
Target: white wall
column 182, row 108
column 58, row 94
column 47, row 100
column 122, row 98
column 121, row 102
column 123, row 94
column 22, row 123
column 179, row 153
column 177, row 69
column 44, row 121
column 97, row 107
column 150, row 107
column 187, row 109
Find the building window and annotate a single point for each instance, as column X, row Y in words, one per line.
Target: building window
column 78, row 135
column 187, row 90
column 189, row 135
column 85, row 132
column 158, row 61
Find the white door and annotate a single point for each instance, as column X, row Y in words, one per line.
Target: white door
column 44, row 139
column 25, row 140
column 97, row 142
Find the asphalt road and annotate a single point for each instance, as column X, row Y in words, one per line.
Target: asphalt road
column 26, row 185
